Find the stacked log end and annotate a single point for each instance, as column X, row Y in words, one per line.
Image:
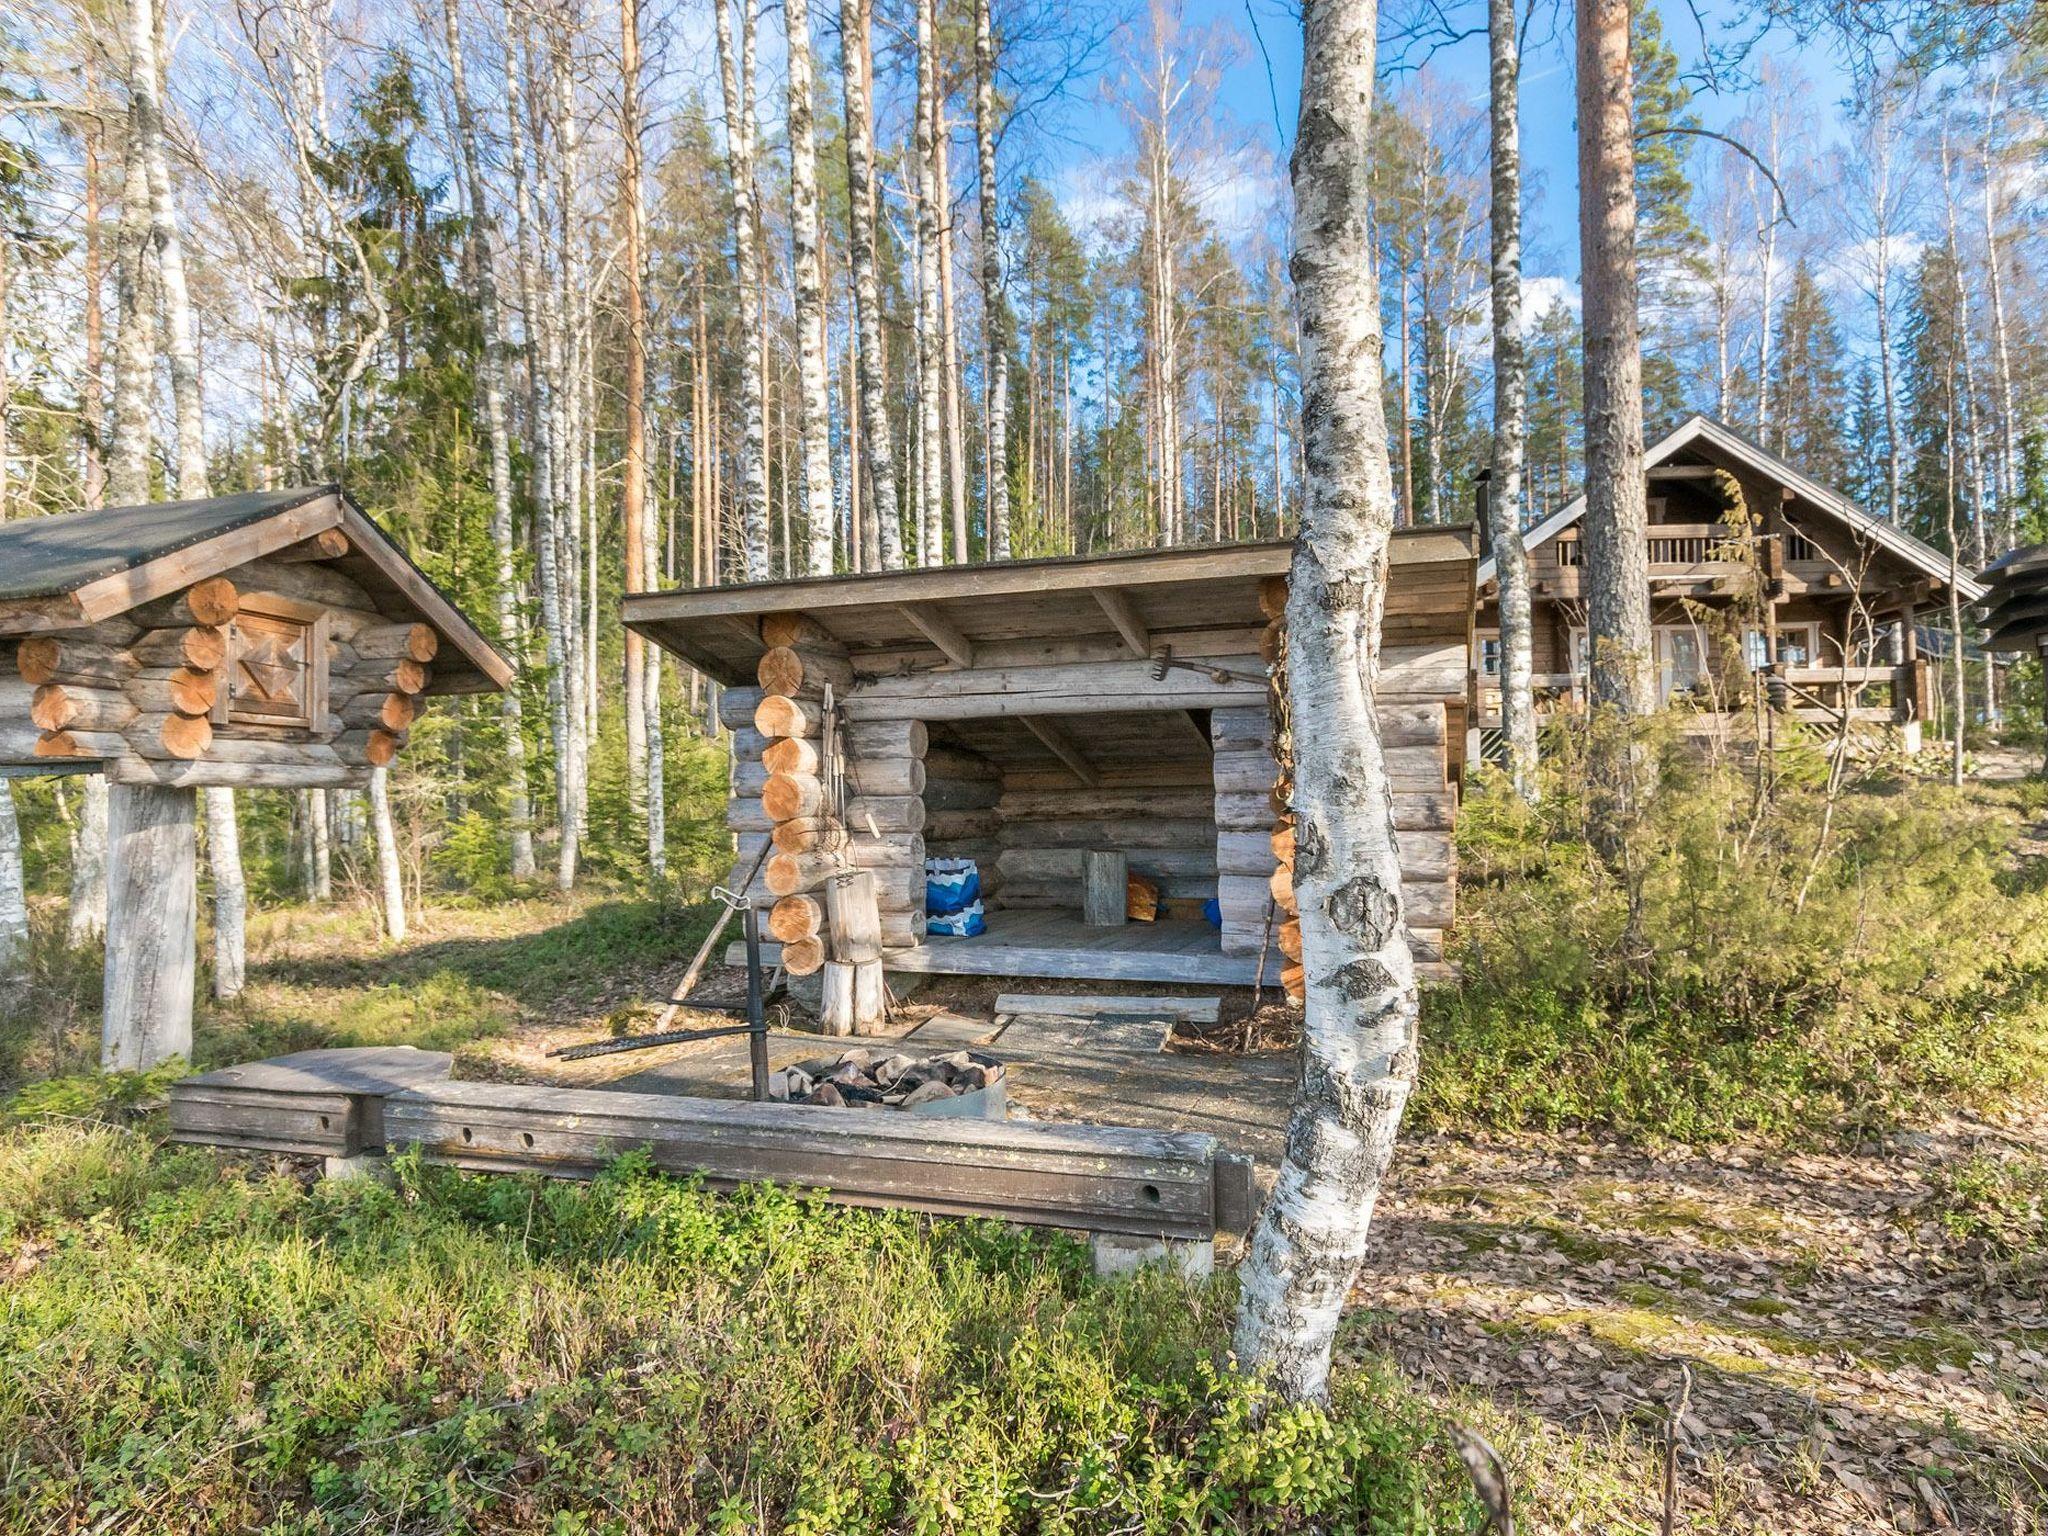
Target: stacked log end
column 376, row 690
column 787, row 739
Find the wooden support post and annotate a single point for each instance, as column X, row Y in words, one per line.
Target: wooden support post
column 1104, row 888
column 851, row 908
column 152, row 896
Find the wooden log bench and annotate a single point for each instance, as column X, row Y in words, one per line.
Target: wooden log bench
column 327, row 1103
column 1138, row 1186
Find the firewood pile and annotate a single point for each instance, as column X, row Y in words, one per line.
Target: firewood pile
column 868, row 1078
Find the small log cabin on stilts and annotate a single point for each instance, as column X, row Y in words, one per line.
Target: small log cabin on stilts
column 271, row 640
column 1064, row 723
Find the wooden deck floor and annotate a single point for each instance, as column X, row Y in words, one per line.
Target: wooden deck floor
column 1057, row 943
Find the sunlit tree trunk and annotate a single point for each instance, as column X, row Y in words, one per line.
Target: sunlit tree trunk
column 736, row 75
column 930, row 425
column 134, row 331
column 1616, row 521
column 995, row 308
column 14, row 945
column 956, row 429
column 814, row 399
column 390, row 875
column 633, row 510
column 1358, row 1027
column 496, row 410
column 1510, row 399
column 2001, row 346
column 87, row 917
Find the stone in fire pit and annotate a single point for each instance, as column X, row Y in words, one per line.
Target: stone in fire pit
column 959, row 1083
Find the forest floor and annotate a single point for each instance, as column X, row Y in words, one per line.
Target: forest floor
column 1845, row 1365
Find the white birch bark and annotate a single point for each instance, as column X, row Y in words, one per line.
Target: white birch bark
column 1510, row 399
column 2001, row 346
column 134, row 331
column 736, row 77
column 1359, row 1024
column 496, row 410
column 230, row 893
column 390, row 875
column 930, row 424
column 635, row 518
column 855, row 22
column 541, row 413
column 1616, row 520
column 320, row 824
column 14, row 947
column 87, row 922
column 994, row 307
column 814, row 399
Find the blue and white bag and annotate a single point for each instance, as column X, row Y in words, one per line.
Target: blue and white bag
column 964, row 924
column 950, row 885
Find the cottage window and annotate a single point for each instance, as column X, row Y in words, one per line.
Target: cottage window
column 1489, row 655
column 276, row 667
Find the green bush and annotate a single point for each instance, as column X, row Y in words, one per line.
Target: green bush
column 186, row 1351
column 1771, row 960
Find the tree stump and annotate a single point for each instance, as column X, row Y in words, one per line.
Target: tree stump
column 1103, row 888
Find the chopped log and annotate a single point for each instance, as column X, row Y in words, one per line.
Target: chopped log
column 856, row 918
column 170, row 735
column 67, row 659
column 897, row 776
column 200, row 647
column 185, row 689
column 1104, row 887
column 390, row 711
column 213, row 601
column 802, row 834
column 1290, row 938
column 1273, row 597
column 835, row 1008
column 1282, row 844
column 791, row 673
column 61, row 706
column 806, row 957
column 779, row 716
column 327, row 544
column 796, row 917
column 796, row 629
column 870, row 996
column 1281, row 884
column 788, row 873
column 88, row 744
column 894, row 850
column 388, row 642
column 1292, row 982
column 875, row 815
column 887, row 738
column 373, row 748
column 1271, row 643
column 790, row 754
column 787, row 795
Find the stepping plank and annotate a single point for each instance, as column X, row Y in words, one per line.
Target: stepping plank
column 327, row 1103
column 1195, row 1010
column 1161, row 1184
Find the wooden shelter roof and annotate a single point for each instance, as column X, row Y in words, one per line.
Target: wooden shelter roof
column 2017, row 599
column 1024, row 611
column 77, row 568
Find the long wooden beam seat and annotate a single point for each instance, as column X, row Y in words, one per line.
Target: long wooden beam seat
column 326, row 1103
column 1153, row 1184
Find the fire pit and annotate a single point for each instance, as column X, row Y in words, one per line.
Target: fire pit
column 959, row 1083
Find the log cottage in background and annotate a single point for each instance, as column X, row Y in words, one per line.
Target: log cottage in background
column 1055, row 720
column 272, row 640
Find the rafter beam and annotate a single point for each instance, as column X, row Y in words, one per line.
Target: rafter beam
column 1062, row 746
column 941, row 631
column 1120, row 613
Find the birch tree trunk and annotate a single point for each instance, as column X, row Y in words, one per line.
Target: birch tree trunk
column 87, row 924
column 541, row 413
column 930, row 421
column 857, row 73
column 995, row 309
column 736, row 77
column 87, row 917
column 134, row 331
column 1510, row 399
column 181, row 347
column 496, row 409
column 390, row 876
column 13, row 899
column 949, row 325
column 1359, row 1024
column 1616, row 522
column 2008, row 426
column 814, row 400
column 634, row 519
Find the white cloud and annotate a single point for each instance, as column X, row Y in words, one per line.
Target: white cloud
column 1540, row 294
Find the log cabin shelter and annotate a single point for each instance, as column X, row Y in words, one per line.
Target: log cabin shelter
column 1061, row 721
column 1825, row 596
column 268, row 640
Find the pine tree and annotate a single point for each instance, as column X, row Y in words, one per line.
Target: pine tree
column 1668, row 239
column 1807, row 381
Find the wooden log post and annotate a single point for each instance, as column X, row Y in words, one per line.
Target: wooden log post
column 856, row 919
column 1104, row 887
column 152, row 902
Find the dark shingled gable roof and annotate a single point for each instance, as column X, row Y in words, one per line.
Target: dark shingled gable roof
column 50, row 556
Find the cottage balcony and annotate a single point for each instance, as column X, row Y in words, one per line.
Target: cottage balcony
column 1682, row 556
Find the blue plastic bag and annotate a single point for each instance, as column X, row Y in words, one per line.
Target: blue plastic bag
column 950, row 885
column 964, row 924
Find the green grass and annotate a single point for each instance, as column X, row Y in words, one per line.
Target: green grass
column 186, row 1350
column 1696, row 997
